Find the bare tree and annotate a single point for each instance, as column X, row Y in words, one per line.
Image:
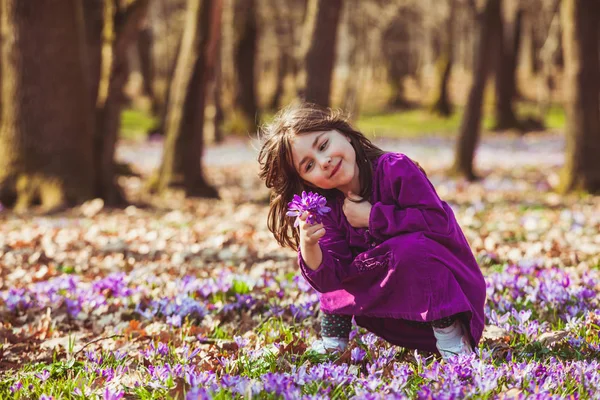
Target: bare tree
column 286, row 63
column 509, row 39
column 112, row 29
column 546, row 55
column 246, row 36
column 181, row 163
column 470, row 125
column 144, row 46
column 441, row 104
column 580, row 20
column 322, row 23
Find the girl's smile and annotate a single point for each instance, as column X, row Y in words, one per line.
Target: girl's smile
column 337, row 167
column 327, row 160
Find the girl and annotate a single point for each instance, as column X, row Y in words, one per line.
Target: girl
column 390, row 253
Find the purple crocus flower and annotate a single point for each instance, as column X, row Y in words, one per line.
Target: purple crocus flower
column 174, row 320
column 187, row 354
column 162, row 349
column 314, row 203
column 94, row 357
column 198, row 393
column 240, row 341
column 357, row 354
column 110, row 395
column 44, row 375
column 16, row 387
column 369, row 339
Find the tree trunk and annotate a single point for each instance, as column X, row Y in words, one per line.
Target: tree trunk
column 580, row 21
column 144, row 49
column 509, row 40
column 219, row 117
column 119, row 31
column 244, row 61
column 488, row 30
column 46, row 126
column 356, row 23
column 321, row 53
column 547, row 55
column 396, row 51
column 529, row 50
column 283, row 69
column 285, row 48
column 441, row 104
column 181, row 163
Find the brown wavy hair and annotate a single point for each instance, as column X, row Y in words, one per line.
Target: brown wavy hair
column 277, row 168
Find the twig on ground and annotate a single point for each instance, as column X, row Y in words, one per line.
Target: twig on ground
column 94, row 341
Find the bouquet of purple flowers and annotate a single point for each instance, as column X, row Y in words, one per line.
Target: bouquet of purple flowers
column 314, row 203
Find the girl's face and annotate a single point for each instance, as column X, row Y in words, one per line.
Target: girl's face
column 327, row 160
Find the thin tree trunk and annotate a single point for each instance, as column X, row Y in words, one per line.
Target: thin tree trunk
column 181, row 164
column 396, row 51
column 283, row 69
column 534, row 50
column 46, row 122
column 356, row 55
column 441, row 104
column 580, row 20
column 547, row 53
column 471, row 121
column 245, row 60
column 120, row 30
column 219, row 117
column 321, row 54
column 144, row 49
column 285, row 59
column 509, row 40
column 160, row 129
column 528, row 47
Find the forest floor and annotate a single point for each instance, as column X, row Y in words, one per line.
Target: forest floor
column 176, row 298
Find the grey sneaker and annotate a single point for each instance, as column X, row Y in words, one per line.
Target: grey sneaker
column 452, row 341
column 328, row 345
column 463, row 347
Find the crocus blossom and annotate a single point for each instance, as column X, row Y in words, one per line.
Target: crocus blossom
column 313, row 203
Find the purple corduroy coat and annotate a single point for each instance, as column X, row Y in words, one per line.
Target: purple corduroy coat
column 412, row 263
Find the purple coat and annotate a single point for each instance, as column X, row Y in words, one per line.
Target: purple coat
column 412, row 263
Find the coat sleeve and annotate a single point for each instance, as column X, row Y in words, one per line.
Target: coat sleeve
column 337, row 258
column 410, row 201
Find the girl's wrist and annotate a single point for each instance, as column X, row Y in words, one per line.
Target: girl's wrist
column 311, row 254
column 309, row 246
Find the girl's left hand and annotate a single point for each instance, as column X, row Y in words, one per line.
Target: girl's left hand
column 357, row 210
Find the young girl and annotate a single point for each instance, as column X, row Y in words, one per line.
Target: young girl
column 389, row 253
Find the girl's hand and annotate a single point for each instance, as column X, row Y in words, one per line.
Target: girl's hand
column 357, row 211
column 309, row 234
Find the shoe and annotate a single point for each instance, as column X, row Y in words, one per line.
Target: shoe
column 463, row 347
column 452, row 341
column 328, row 345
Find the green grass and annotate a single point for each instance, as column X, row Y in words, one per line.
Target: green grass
column 135, row 124
column 407, row 124
column 419, row 122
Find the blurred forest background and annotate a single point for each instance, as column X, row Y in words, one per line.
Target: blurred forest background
column 78, row 76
